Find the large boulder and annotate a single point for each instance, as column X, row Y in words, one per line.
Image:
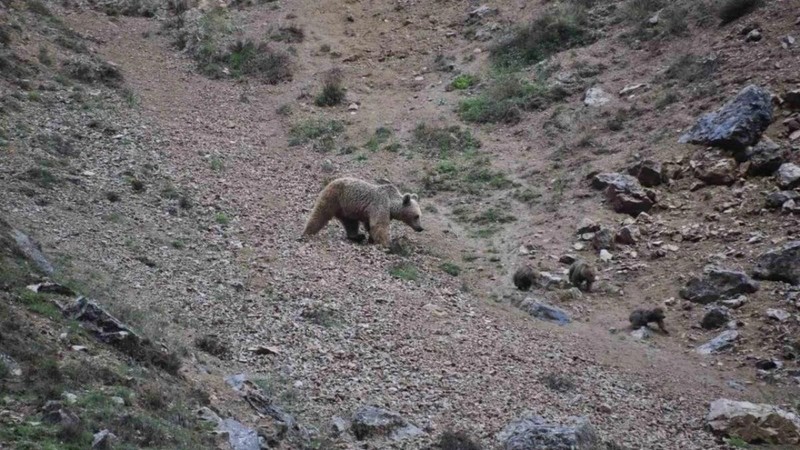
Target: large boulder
column 624, row 193
column 788, row 176
column 738, row 124
column 532, row 432
column 544, row 311
column 781, row 264
column 372, row 421
column 753, row 423
column 718, row 284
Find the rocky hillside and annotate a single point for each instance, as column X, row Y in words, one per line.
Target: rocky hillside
column 160, row 160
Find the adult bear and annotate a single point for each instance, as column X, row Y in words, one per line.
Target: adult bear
column 354, row 201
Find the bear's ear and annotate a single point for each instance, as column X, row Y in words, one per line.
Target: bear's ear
column 414, row 197
column 406, row 199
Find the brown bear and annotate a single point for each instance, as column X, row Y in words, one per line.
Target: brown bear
column 354, row 201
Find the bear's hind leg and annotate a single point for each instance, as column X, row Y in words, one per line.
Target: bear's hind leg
column 351, row 228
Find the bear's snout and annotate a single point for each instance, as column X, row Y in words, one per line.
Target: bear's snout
column 418, row 229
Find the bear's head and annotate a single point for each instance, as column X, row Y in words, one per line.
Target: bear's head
column 410, row 212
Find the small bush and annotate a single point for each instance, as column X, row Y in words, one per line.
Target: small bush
column 291, row 35
column 213, row 345
column 137, row 185
column 505, row 100
column 222, row 218
column 41, row 177
column 380, row 137
column 86, row 70
column 404, row 271
column 450, row 268
column 731, row 10
column 444, row 141
column 689, row 68
column 558, row 382
column 464, row 81
column 314, row 129
column 333, row 92
column 557, row 30
column 261, row 61
column 44, row 56
column 457, row 440
column 38, row 7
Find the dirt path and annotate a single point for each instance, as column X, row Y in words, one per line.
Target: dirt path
column 428, row 349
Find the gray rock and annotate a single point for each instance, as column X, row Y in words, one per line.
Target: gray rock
column 207, row 414
column 339, row 425
column 719, row 343
column 777, row 199
column 715, row 318
column 753, row 36
column 739, row 123
column 32, row 251
column 781, row 264
column 642, row 334
column 764, row 158
column 735, row 303
column 792, row 99
column 587, row 225
column 718, row 284
column 532, row 432
column 240, row 437
column 778, row 314
column 54, row 413
column 371, row 421
column 481, row 12
column 603, row 239
column 605, row 255
column 103, row 440
column 544, row 311
column 632, row 88
column 753, row 423
column 628, row 235
column 236, row 381
column 788, row 176
column 595, row 96
column 550, row 281
column 648, row 172
column 718, row 173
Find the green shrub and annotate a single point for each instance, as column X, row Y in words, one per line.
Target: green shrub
column 444, row 141
column 381, row 136
column 556, row 30
column 731, row 10
column 260, row 61
column 333, row 92
column 313, row 129
column 222, row 218
column 404, row 271
column 464, row 81
column 506, row 99
column 450, row 268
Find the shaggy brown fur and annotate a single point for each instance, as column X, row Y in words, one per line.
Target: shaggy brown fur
column 641, row 317
column 582, row 275
column 354, row 201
